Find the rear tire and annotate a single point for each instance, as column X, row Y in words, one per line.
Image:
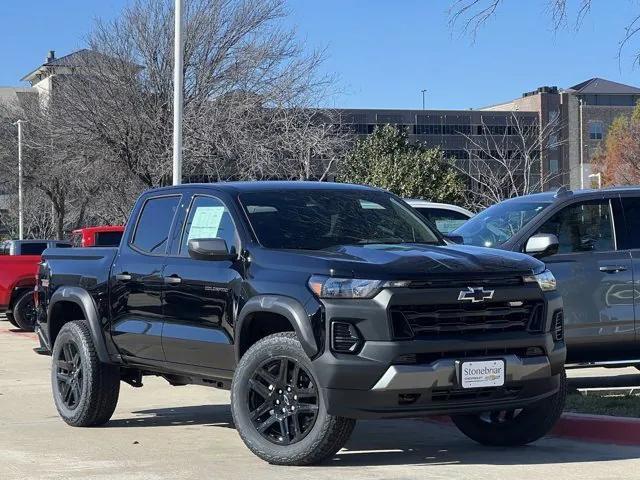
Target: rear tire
column 85, row 391
column 278, row 408
column 515, row 428
column 25, row 313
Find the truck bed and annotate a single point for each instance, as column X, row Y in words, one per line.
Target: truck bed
column 85, row 267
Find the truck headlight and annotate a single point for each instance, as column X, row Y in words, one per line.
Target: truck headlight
column 545, row 280
column 330, row 287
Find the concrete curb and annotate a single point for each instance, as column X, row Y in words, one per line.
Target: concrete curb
column 587, row 428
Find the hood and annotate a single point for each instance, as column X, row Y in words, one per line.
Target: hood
column 410, row 261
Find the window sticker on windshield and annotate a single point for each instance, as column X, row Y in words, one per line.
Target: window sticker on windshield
column 206, row 222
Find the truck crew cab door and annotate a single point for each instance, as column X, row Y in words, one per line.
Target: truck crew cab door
column 594, row 277
column 200, row 296
column 136, row 279
column 630, row 205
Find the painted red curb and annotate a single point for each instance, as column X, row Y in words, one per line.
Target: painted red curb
column 587, row 428
column 599, row 428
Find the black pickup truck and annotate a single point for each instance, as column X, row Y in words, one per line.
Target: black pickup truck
column 316, row 304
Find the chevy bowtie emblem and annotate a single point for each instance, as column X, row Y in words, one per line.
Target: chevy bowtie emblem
column 475, row 295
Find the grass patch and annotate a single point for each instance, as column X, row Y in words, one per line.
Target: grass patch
column 615, row 405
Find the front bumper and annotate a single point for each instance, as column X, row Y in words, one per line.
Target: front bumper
column 443, row 374
column 378, row 382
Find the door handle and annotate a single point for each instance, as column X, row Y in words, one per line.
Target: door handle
column 123, row 277
column 613, row 268
column 172, row 280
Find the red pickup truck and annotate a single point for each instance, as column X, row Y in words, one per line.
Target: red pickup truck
column 19, row 261
column 103, row 236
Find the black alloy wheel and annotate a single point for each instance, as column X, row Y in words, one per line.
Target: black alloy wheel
column 69, row 375
column 26, row 313
column 283, row 400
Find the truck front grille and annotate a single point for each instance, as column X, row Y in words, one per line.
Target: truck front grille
column 430, row 357
column 461, row 319
column 453, row 395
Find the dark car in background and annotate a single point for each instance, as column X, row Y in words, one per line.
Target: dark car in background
column 590, row 240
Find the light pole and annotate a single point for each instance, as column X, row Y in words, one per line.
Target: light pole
column 581, row 146
column 423, row 92
column 20, row 193
column 599, row 177
column 177, row 95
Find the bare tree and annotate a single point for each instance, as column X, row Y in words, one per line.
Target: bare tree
column 39, row 219
column 104, row 131
column 62, row 174
column 247, row 85
column 473, row 14
column 506, row 161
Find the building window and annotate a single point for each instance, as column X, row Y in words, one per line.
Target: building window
column 456, row 154
column 553, row 165
column 596, row 130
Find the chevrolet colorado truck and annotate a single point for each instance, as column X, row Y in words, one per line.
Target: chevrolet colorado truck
column 19, row 261
column 316, row 304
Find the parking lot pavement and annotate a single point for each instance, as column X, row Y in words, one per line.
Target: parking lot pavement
column 160, row 431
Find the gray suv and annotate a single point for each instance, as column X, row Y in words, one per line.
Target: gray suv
column 590, row 240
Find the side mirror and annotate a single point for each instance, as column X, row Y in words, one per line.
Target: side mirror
column 213, row 249
column 542, row 245
column 454, row 238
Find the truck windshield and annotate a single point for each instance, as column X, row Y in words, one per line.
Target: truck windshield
column 498, row 223
column 321, row 219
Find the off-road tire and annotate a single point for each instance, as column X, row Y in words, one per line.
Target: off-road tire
column 327, row 435
column 20, row 314
column 533, row 423
column 100, row 383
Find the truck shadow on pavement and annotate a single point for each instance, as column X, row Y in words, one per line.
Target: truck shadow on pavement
column 402, row 442
column 420, row 442
column 209, row 415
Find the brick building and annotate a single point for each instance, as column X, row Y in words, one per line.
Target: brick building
column 577, row 119
column 586, row 111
